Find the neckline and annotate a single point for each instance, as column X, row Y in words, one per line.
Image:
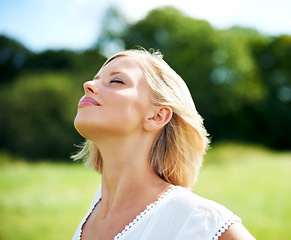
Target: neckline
column 134, row 221
column 144, row 213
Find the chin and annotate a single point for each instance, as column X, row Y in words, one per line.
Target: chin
column 82, row 127
column 87, row 128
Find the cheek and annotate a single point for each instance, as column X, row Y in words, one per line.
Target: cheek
column 132, row 106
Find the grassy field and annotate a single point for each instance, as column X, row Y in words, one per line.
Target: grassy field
column 48, row 200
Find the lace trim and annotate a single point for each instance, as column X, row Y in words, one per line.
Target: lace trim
column 224, row 227
column 142, row 214
column 86, row 218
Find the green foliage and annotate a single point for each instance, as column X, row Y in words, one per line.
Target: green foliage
column 48, row 200
column 38, row 112
column 272, row 117
column 12, row 58
column 38, row 102
column 57, row 60
column 235, row 72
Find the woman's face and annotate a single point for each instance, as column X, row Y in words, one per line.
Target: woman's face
column 116, row 101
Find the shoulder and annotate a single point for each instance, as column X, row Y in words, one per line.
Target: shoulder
column 193, row 203
column 202, row 217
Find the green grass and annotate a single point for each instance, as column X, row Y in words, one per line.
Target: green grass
column 48, row 200
column 44, row 200
column 252, row 182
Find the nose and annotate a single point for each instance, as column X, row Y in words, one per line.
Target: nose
column 90, row 87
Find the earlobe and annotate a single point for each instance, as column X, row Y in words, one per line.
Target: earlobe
column 158, row 119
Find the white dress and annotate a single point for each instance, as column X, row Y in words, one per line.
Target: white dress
column 178, row 214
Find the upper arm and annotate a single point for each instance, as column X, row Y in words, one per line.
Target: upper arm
column 236, row 232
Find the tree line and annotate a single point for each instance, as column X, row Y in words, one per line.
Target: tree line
column 240, row 81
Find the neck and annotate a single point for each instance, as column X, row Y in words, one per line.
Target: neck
column 127, row 175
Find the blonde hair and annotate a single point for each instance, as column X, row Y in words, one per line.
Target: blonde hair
column 177, row 153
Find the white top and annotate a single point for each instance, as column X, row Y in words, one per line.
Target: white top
column 178, row 214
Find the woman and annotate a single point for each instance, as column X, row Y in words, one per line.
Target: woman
column 146, row 138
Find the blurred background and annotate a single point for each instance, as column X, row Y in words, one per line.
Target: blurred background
column 234, row 55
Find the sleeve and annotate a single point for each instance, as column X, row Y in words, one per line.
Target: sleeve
column 207, row 220
column 218, row 219
column 224, row 226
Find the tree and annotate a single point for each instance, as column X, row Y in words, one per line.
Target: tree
column 13, row 56
column 274, row 114
column 37, row 113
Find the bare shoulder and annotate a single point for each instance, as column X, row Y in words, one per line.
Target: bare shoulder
column 236, row 232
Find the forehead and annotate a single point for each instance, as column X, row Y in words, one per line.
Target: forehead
column 124, row 64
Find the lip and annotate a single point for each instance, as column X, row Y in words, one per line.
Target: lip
column 88, row 101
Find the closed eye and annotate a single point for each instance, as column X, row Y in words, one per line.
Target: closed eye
column 117, row 81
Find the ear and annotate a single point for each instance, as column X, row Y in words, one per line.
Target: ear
column 158, row 118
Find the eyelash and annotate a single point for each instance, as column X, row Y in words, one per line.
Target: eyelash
column 116, row 81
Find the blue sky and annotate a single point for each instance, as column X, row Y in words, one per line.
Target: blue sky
column 75, row 24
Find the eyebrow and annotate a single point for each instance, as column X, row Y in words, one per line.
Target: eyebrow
column 111, row 74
